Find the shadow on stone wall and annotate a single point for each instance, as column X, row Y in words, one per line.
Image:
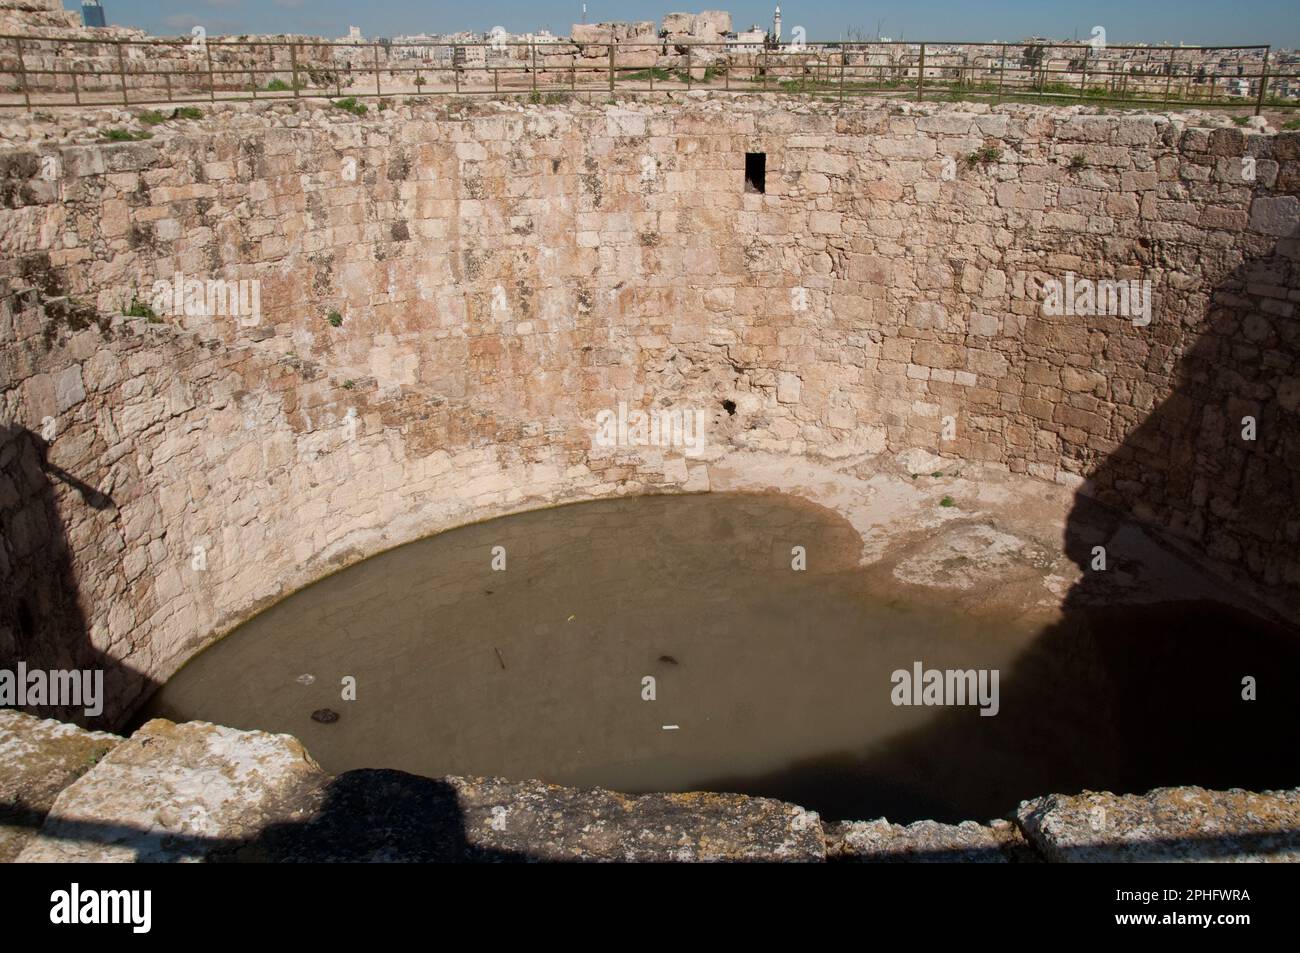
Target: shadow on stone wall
column 42, row 622
column 1124, row 693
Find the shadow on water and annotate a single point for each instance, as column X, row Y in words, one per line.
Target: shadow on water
column 1123, row 693
column 1120, row 694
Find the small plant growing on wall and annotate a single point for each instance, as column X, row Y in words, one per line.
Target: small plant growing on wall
column 187, row 112
column 138, row 309
column 351, row 105
column 125, row 135
column 984, row 156
column 947, row 501
column 1078, row 162
column 335, row 319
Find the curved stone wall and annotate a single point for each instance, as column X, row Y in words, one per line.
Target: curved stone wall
column 498, row 275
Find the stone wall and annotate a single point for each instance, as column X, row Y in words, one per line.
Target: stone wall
column 501, row 274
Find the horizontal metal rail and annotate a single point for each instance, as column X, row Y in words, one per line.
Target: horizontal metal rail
column 130, row 72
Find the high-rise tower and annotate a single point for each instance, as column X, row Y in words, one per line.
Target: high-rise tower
column 776, row 26
column 92, row 13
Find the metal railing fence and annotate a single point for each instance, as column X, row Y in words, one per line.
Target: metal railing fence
column 40, row 71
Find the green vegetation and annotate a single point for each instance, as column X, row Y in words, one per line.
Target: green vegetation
column 152, row 118
column 349, row 384
column 1241, row 120
column 645, row 75
column 125, row 135
column 351, row 105
column 138, row 309
column 947, row 501
column 187, row 112
column 984, row 155
column 1077, row 161
column 278, row 85
column 335, row 319
column 1291, row 124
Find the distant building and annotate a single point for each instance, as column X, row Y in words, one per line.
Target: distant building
column 92, row 13
column 747, row 41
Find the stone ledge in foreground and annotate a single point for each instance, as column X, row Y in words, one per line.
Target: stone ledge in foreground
column 926, row 842
column 38, row 759
column 1187, row 824
column 196, row 792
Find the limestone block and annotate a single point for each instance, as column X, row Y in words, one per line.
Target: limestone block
column 38, row 759
column 172, row 793
column 1168, row 824
column 924, row 842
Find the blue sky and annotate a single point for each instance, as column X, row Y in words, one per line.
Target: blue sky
column 1190, row 21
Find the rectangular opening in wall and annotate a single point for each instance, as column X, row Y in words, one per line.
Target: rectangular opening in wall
column 756, row 172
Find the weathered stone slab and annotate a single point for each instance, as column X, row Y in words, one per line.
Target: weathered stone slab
column 547, row 822
column 925, row 842
column 1187, row 824
column 38, row 759
column 389, row 816
column 173, row 793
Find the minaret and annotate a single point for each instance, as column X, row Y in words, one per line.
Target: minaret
column 776, row 26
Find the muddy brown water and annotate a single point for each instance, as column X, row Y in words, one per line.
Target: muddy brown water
column 767, row 680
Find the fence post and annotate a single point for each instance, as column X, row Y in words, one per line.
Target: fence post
column 121, row 73
column 1002, row 71
column 378, row 91
column 920, row 78
column 533, row 45
column 22, row 72
column 212, row 77
column 611, row 67
column 1083, row 81
column 293, row 62
column 1169, row 79
column 688, row 66
column 1263, row 81
column 842, row 55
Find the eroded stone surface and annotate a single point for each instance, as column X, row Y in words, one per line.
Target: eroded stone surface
column 172, row 793
column 202, row 792
column 373, row 815
column 38, row 759
column 554, row 823
column 879, row 841
column 1188, row 824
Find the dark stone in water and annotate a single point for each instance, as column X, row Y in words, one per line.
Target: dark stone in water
column 326, row 716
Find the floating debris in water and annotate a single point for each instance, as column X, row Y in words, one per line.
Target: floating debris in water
column 326, row 716
column 306, row 679
column 668, row 659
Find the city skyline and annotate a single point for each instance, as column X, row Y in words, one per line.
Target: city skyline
column 1195, row 23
